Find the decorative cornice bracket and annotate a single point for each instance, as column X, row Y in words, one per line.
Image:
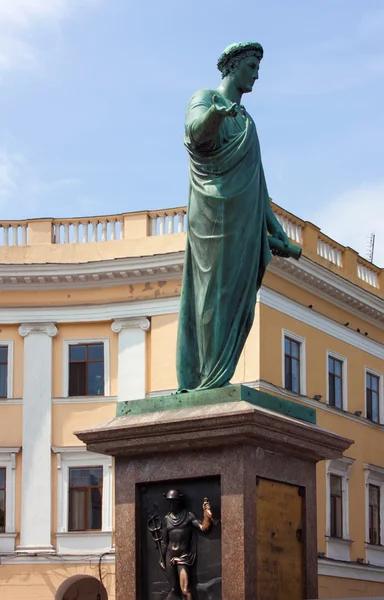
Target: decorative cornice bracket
column 134, row 323
column 48, row 328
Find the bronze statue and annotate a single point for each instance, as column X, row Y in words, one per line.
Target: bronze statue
column 232, row 228
column 178, row 548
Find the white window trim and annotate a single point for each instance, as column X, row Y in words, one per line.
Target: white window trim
column 77, row 342
column 303, row 364
column 9, row 344
column 8, row 460
column 344, row 373
column 73, row 542
column 338, row 548
column 381, row 394
column 374, row 476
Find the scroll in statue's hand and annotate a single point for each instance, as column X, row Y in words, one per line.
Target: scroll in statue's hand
column 224, row 108
column 279, row 233
column 283, row 237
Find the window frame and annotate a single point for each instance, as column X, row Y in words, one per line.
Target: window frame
column 302, row 365
column 9, row 345
column 374, row 475
column 368, row 370
column 88, row 487
column 91, row 541
column 66, row 355
column 344, row 374
column 378, row 488
column 338, row 548
column 331, row 495
column 4, row 489
column 8, row 461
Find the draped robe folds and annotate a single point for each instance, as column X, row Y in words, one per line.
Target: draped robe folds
column 227, row 248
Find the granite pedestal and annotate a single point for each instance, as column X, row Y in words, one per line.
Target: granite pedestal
column 230, row 435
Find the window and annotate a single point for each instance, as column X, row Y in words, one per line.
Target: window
column 86, row 370
column 336, row 366
column 337, row 508
column 3, row 371
column 292, row 365
column 7, row 499
column 374, row 514
column 336, row 503
column 85, row 498
column 335, row 382
column 6, row 369
column 372, row 396
column 2, row 498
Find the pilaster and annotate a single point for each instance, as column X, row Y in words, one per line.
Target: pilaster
column 35, row 535
column 132, row 357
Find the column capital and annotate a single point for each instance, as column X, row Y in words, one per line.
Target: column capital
column 133, row 323
column 48, row 328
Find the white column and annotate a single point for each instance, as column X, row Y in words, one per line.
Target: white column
column 132, row 357
column 35, row 535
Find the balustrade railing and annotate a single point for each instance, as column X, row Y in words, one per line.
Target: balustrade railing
column 42, row 232
column 82, row 231
column 168, row 221
column 13, row 233
column 368, row 275
column 330, row 252
column 293, row 229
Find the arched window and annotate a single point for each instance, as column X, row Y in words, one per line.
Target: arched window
column 81, row 587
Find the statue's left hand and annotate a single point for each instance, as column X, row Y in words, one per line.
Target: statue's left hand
column 281, row 235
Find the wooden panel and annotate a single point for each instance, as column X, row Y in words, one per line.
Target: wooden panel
column 279, row 509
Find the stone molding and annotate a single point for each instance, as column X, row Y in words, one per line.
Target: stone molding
column 135, row 323
column 212, row 426
column 48, row 328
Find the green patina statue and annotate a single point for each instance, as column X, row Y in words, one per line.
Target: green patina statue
column 229, row 219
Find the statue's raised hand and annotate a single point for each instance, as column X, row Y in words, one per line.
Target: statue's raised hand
column 207, row 509
column 225, row 108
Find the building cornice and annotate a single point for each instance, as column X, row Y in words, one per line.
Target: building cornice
column 305, row 273
column 89, row 313
column 330, row 286
column 350, row 570
column 105, row 273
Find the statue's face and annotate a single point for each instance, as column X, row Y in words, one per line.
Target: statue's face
column 246, row 74
column 175, row 505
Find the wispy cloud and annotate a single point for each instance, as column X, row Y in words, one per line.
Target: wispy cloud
column 352, row 216
column 25, row 193
column 21, row 21
column 335, row 64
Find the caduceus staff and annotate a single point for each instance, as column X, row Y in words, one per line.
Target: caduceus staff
column 155, row 527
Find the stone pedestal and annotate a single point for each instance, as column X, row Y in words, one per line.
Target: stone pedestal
column 229, row 435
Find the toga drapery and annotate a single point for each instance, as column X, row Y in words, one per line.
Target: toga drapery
column 227, row 248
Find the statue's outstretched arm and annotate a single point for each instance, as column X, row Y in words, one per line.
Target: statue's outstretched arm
column 206, row 127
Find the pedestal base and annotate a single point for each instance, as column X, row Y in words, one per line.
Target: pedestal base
column 264, row 464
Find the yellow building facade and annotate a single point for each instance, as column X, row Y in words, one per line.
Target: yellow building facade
column 88, row 317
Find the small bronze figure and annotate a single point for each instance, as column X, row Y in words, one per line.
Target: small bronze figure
column 178, row 548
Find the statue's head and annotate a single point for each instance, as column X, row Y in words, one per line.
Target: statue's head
column 241, row 62
column 175, row 499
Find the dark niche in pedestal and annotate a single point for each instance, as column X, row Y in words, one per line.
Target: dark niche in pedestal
column 179, row 519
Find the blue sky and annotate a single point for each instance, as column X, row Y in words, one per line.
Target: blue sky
column 93, row 95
